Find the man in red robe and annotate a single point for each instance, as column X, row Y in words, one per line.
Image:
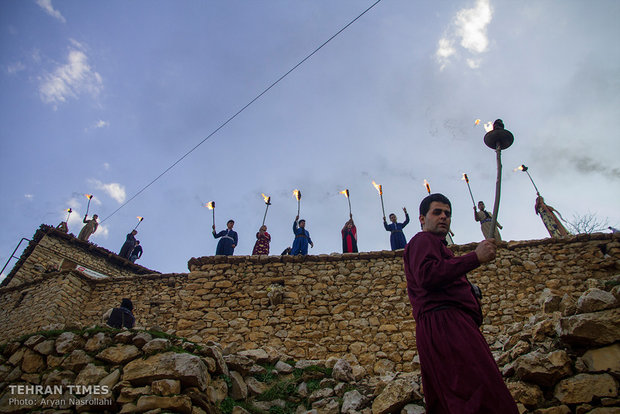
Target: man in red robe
column 459, row 374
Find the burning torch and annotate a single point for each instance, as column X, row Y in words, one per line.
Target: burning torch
column 428, row 186
column 466, row 178
column 379, row 188
column 89, row 196
column 211, row 206
column 346, row 194
column 524, row 169
column 297, row 195
column 139, row 221
column 69, row 211
column 268, row 203
column 498, row 139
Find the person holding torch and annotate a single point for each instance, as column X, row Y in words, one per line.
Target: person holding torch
column 262, row 241
column 397, row 237
column 89, row 228
column 349, row 236
column 302, row 238
column 228, row 240
column 484, row 217
column 459, row 374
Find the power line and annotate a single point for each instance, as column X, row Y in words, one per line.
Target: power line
column 241, row 110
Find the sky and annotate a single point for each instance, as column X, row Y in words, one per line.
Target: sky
column 103, row 97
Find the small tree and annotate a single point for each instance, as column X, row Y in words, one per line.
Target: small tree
column 587, row 223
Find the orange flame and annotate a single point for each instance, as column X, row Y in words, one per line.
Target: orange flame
column 345, row 192
column 520, row 168
column 89, row 196
column 210, row 205
column 465, row 178
column 297, row 194
column 69, row 210
column 379, row 187
column 477, row 122
column 266, row 198
column 428, row 186
column 140, row 218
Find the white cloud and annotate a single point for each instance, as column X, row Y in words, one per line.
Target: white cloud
column 15, row 67
column 71, row 79
column 28, row 196
column 106, row 165
column 101, row 124
column 114, row 190
column 49, row 9
column 470, row 26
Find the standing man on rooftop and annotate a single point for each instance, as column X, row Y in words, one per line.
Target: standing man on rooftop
column 459, row 374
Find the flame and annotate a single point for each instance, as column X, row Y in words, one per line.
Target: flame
column 345, row 192
column 297, row 194
column 266, row 198
column 140, row 218
column 379, row 187
column 521, row 168
column 89, row 196
column 488, row 127
column 210, row 205
column 465, row 177
column 477, row 122
column 69, row 210
column 428, row 186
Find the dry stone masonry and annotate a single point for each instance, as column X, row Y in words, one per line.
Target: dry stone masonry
column 564, row 359
column 551, row 318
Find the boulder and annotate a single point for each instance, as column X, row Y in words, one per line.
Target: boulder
column 177, row 403
column 239, row 389
column 594, row 300
column 342, row 371
column 187, row 368
column 119, row 354
column 68, row 342
column 395, row 396
column 543, row 369
column 91, row 374
column 582, row 388
column 603, row 359
column 587, row 329
column 352, row 401
column 97, row 342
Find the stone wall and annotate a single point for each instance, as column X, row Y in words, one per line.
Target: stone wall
column 315, row 307
column 51, row 249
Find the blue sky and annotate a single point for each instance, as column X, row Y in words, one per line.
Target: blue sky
column 102, row 97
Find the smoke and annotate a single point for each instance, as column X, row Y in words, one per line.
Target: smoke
column 587, row 165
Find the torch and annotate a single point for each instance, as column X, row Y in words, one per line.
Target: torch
column 379, row 188
column 297, row 195
column 89, row 196
column 466, row 178
column 139, row 221
column 211, row 206
column 69, row 211
column 524, row 169
column 498, row 139
column 346, row 194
column 268, row 203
